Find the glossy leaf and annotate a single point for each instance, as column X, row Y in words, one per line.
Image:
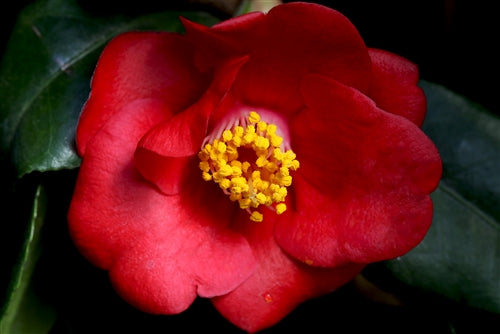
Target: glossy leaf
column 460, row 256
column 24, row 311
column 46, row 72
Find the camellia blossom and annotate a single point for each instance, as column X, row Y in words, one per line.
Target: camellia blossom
column 260, row 162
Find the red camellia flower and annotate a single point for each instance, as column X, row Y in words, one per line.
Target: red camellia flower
column 259, row 163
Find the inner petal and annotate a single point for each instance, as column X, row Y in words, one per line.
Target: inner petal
column 251, row 162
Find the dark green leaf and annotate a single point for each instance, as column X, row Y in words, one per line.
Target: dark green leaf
column 24, row 311
column 460, row 256
column 45, row 76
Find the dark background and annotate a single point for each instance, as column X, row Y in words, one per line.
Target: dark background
column 452, row 41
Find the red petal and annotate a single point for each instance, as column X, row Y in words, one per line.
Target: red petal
column 222, row 40
column 278, row 284
column 361, row 190
column 167, row 173
column 296, row 39
column 105, row 175
column 160, row 250
column 284, row 45
column 343, row 140
column 394, row 86
column 356, row 227
column 191, row 252
column 139, row 65
column 165, row 150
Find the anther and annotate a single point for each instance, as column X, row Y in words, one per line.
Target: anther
column 251, row 182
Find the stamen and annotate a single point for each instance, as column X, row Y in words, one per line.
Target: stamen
column 251, row 182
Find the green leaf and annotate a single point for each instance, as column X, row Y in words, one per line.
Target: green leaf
column 24, row 311
column 46, row 72
column 460, row 256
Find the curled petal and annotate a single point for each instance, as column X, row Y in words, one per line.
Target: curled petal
column 164, row 152
column 169, row 174
column 222, row 40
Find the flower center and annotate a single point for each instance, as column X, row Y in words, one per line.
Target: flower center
column 249, row 165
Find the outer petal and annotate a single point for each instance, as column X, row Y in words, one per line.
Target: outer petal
column 223, row 39
column 363, row 227
column 192, row 252
column 361, row 191
column 160, row 250
column 313, row 38
column 394, row 86
column 104, row 176
column 343, row 136
column 278, row 284
column 140, row 65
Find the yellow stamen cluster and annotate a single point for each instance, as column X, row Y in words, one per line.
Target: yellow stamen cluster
column 262, row 178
